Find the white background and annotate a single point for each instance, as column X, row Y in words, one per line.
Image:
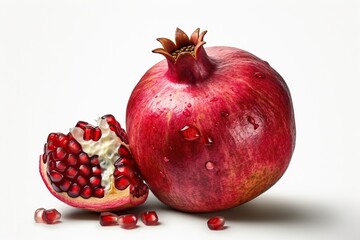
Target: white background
column 64, row 61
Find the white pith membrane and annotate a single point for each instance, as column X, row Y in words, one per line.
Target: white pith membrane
column 106, row 148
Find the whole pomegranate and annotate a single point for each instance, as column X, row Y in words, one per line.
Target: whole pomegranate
column 210, row 128
column 91, row 167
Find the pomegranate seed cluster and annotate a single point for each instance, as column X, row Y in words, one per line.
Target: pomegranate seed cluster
column 84, row 162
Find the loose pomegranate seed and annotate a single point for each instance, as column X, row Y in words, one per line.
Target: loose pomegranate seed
column 149, row 218
column 216, row 223
column 108, row 219
column 128, row 221
column 38, row 217
column 51, row 216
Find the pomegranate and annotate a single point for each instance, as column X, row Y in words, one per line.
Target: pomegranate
column 210, row 128
column 216, row 223
column 92, row 168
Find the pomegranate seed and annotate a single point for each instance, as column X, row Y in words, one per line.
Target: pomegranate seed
column 85, row 170
column 52, row 137
column 96, row 170
column 216, row 223
column 62, row 140
column 110, row 119
column 124, row 151
column 94, row 160
column 82, row 124
column 83, row 158
column 38, row 217
column 128, row 221
column 81, row 180
column 71, row 172
column 88, row 133
column 74, row 147
column 99, row 192
column 56, row 176
column 51, row 216
column 95, row 181
column 97, row 134
column 86, row 192
column 122, row 183
column 74, row 190
column 43, row 157
column 65, row 185
column 149, row 218
column 72, row 160
column 61, row 166
column 59, row 153
column 124, row 171
column 108, row 219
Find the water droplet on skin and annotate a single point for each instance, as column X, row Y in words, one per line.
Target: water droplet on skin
column 190, row 133
column 259, row 75
column 166, row 159
column 209, row 141
column 225, row 114
column 251, row 120
column 162, row 174
column 214, row 99
column 189, row 105
column 209, row 165
column 154, row 129
column 186, row 113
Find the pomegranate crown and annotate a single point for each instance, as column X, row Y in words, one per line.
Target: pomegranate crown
column 182, row 46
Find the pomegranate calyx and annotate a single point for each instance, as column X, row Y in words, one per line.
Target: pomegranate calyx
column 186, row 57
column 183, row 45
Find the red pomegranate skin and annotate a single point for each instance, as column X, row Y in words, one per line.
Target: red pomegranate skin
column 213, row 134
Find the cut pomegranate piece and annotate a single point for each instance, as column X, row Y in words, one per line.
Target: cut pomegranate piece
column 108, row 219
column 92, row 167
column 149, row 218
column 51, row 216
column 38, row 217
column 128, row 221
column 216, row 223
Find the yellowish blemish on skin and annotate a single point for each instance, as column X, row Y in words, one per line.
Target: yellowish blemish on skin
column 259, row 181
